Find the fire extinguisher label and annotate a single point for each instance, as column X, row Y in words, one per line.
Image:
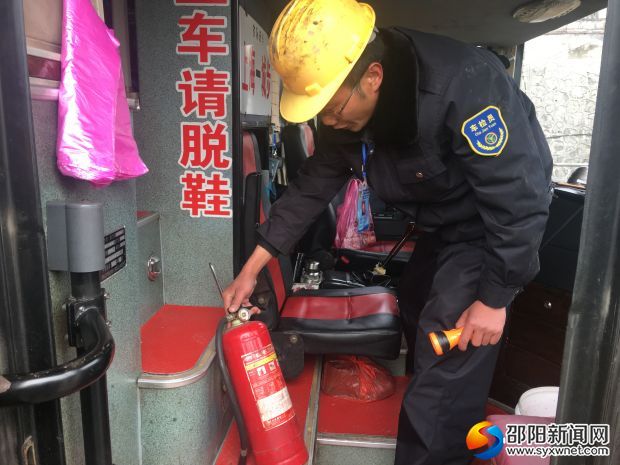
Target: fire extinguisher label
column 268, row 387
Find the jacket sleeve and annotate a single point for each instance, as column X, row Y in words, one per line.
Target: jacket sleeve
column 513, row 187
column 319, row 180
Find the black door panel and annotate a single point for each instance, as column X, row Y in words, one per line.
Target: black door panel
column 533, row 347
column 26, row 341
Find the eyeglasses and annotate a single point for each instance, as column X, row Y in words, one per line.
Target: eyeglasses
column 342, row 107
column 346, row 102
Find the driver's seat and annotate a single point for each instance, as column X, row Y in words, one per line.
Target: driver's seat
column 298, row 144
column 357, row 321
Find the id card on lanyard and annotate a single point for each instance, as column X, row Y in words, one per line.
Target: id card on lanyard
column 364, row 218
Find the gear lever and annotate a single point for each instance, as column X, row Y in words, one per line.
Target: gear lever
column 380, row 268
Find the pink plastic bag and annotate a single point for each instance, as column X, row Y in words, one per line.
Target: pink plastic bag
column 95, row 140
column 347, row 234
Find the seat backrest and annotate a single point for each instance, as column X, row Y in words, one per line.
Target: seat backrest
column 298, row 142
column 251, row 154
column 271, row 286
column 250, row 193
column 560, row 244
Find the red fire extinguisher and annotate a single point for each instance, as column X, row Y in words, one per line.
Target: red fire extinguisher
column 275, row 435
column 260, row 391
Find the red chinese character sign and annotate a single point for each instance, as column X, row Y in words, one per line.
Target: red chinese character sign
column 185, row 132
column 256, row 68
column 205, row 195
column 201, row 36
column 204, row 146
column 204, row 90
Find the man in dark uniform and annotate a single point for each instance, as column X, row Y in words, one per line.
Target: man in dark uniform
column 452, row 141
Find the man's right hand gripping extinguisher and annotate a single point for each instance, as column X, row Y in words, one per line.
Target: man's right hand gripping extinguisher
column 259, row 397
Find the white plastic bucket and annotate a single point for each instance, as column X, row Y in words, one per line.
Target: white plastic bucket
column 539, row 402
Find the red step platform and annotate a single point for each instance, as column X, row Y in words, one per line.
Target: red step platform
column 174, row 338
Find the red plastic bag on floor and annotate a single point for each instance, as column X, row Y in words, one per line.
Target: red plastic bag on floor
column 349, row 234
column 356, row 378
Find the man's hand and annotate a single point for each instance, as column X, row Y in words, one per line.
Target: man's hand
column 239, row 291
column 482, row 325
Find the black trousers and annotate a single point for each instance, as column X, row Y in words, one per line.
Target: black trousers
column 447, row 395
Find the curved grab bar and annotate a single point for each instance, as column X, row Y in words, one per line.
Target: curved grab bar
column 73, row 376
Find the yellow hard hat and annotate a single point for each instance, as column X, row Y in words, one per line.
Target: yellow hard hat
column 314, row 44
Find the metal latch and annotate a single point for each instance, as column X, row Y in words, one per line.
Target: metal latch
column 29, row 452
column 153, row 267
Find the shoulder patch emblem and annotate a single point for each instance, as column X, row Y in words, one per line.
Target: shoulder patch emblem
column 486, row 132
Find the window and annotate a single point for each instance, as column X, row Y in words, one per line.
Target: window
column 43, row 23
column 560, row 75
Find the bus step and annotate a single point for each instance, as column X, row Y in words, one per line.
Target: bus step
column 354, row 451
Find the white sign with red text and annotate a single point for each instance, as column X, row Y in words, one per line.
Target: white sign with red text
column 255, row 67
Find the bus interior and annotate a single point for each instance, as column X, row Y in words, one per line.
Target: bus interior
column 136, row 382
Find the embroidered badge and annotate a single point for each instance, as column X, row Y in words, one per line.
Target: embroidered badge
column 486, row 132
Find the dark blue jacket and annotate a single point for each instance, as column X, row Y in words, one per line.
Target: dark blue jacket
column 433, row 159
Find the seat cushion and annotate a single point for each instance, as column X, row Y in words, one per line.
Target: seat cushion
column 385, row 247
column 372, row 254
column 360, row 321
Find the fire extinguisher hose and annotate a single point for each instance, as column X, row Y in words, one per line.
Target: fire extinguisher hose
column 243, row 434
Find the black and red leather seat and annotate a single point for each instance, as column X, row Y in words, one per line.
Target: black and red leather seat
column 359, row 321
